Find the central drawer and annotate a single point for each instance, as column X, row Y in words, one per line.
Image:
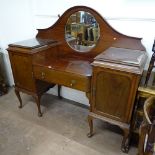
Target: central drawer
column 72, row 80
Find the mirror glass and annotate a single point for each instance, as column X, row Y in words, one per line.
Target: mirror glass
column 82, row 31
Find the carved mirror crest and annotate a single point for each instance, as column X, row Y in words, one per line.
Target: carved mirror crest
column 82, row 31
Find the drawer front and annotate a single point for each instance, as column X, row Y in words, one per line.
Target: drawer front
column 67, row 79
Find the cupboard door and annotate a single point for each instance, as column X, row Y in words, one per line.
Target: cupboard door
column 22, row 71
column 112, row 95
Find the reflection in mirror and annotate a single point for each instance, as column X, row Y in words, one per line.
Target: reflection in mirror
column 82, row 31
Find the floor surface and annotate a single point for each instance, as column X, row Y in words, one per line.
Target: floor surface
column 61, row 131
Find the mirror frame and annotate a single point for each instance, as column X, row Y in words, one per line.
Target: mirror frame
column 84, row 33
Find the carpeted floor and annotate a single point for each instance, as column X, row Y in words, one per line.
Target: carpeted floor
column 61, row 131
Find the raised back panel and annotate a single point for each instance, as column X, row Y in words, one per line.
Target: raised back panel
column 108, row 36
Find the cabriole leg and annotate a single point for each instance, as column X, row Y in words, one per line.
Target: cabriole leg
column 59, row 92
column 90, row 121
column 126, row 140
column 19, row 98
column 37, row 99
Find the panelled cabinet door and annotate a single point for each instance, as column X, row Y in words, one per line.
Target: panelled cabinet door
column 22, row 70
column 113, row 95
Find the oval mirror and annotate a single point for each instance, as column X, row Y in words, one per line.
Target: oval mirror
column 82, row 31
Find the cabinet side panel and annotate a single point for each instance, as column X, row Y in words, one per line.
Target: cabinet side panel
column 22, row 70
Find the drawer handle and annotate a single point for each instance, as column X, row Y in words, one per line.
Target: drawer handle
column 42, row 75
column 73, row 82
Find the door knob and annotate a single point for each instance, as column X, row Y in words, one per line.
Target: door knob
column 72, row 82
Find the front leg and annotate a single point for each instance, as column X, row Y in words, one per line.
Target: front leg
column 59, row 92
column 19, row 98
column 90, row 121
column 37, row 99
column 88, row 95
column 126, row 140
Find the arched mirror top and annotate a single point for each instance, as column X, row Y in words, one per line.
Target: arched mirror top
column 105, row 38
column 82, row 31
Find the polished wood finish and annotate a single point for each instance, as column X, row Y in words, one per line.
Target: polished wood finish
column 21, row 59
column 74, row 81
column 23, row 70
column 109, row 83
column 116, row 88
column 115, row 79
column 113, row 94
column 68, row 72
column 108, row 36
column 147, row 146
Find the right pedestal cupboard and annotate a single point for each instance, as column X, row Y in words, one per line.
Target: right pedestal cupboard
column 115, row 79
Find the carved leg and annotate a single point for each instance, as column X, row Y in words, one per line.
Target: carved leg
column 37, row 99
column 126, row 140
column 19, row 98
column 59, row 92
column 88, row 95
column 90, row 121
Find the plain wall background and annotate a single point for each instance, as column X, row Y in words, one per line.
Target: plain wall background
column 20, row 19
column 15, row 25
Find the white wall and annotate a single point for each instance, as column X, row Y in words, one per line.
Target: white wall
column 16, row 25
column 20, row 19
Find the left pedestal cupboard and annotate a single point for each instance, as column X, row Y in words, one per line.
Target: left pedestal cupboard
column 22, row 67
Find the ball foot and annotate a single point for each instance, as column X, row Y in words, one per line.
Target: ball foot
column 20, row 106
column 89, row 135
column 40, row 114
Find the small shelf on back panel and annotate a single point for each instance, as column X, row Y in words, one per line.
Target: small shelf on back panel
column 33, row 43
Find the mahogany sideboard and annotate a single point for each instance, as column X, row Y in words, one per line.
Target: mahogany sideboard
column 82, row 51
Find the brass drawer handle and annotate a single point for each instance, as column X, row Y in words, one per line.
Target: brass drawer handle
column 42, row 75
column 73, row 82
